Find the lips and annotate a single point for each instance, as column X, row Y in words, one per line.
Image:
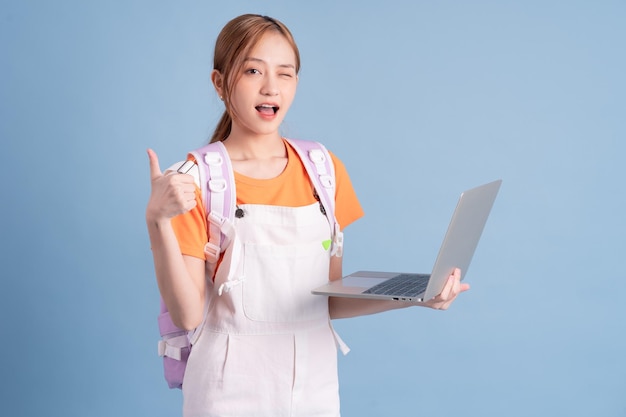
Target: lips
column 267, row 109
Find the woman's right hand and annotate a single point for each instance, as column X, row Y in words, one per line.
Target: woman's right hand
column 172, row 193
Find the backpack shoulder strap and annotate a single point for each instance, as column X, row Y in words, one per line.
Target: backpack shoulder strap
column 319, row 166
column 216, row 180
column 217, row 185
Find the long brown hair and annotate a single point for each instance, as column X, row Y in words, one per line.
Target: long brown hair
column 232, row 47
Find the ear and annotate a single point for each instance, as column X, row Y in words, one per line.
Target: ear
column 218, row 82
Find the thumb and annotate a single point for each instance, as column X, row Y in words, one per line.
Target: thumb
column 155, row 169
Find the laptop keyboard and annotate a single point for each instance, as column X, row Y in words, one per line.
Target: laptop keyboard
column 403, row 285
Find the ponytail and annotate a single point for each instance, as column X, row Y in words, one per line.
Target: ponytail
column 222, row 130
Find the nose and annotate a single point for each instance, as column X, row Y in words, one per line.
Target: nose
column 270, row 86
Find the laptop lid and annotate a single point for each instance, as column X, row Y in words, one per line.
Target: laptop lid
column 457, row 249
column 463, row 234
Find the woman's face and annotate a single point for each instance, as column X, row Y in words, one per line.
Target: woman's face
column 266, row 88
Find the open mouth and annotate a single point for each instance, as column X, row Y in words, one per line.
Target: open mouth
column 267, row 109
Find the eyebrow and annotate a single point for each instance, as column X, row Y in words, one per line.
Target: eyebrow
column 261, row 61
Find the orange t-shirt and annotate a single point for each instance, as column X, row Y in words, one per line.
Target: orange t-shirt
column 292, row 188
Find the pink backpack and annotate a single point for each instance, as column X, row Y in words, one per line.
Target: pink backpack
column 218, row 185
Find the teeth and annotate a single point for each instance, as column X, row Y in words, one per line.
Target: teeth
column 267, row 107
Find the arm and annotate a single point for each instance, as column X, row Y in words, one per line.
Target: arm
column 180, row 278
column 343, row 307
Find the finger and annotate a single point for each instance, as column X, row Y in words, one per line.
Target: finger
column 447, row 294
column 459, row 288
column 182, row 179
column 456, row 288
column 447, row 289
column 462, row 286
column 155, row 169
column 191, row 204
column 457, row 273
column 456, row 284
column 190, row 196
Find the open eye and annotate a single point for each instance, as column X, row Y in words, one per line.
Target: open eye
column 252, row 71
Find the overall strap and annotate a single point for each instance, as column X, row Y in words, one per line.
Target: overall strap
column 319, row 166
column 217, row 184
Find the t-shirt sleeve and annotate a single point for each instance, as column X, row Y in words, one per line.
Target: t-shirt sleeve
column 347, row 206
column 191, row 229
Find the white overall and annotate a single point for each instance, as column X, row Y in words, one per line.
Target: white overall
column 267, row 347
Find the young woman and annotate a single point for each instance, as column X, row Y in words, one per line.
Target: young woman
column 266, row 347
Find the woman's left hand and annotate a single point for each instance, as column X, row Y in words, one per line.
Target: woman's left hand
column 450, row 291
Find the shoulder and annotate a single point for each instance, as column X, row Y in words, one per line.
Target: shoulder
column 341, row 172
column 336, row 160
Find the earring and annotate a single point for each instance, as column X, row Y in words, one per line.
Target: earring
column 221, row 98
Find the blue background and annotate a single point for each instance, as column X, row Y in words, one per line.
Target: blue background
column 420, row 100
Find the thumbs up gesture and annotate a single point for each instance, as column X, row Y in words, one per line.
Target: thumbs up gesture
column 172, row 193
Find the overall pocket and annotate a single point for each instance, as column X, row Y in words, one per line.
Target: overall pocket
column 279, row 279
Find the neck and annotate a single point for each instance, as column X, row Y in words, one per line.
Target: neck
column 255, row 147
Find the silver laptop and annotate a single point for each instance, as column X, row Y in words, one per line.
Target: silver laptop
column 457, row 249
